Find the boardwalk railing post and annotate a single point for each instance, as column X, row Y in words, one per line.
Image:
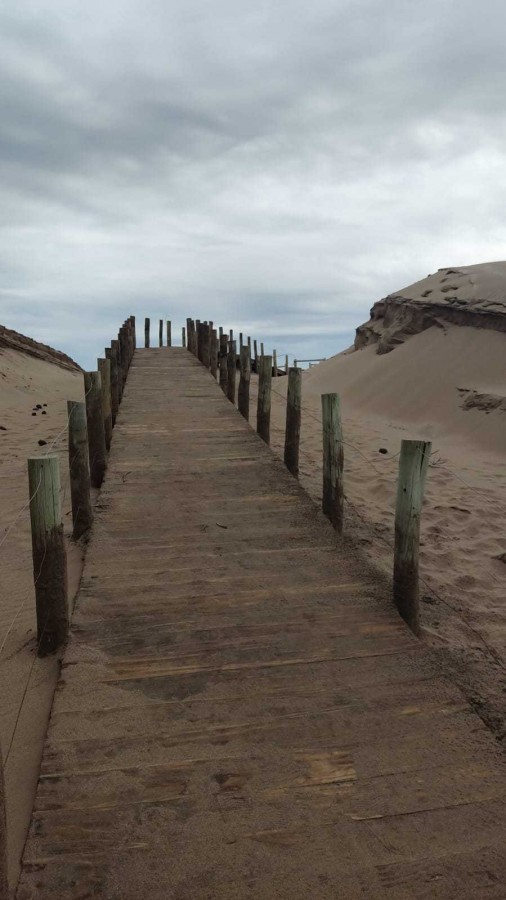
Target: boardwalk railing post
column 275, row 363
column 222, row 362
column 261, row 348
column 214, row 353
column 231, row 370
column 119, row 384
column 286, row 364
column 134, row 338
column 183, row 337
column 104, row 367
column 160, row 332
column 146, row 332
column 333, row 460
column 79, row 466
column 169, row 333
column 293, row 415
column 4, row 885
column 111, row 356
column 205, row 354
column 197, row 338
column 413, row 464
column 264, row 398
column 255, row 356
column 49, row 556
column 244, row 382
column 221, row 331
column 96, row 432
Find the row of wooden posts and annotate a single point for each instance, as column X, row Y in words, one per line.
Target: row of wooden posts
column 218, row 353
column 90, row 425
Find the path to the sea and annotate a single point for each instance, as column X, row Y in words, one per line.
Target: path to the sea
column 241, row 713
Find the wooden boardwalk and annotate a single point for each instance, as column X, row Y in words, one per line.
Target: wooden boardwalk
column 241, row 713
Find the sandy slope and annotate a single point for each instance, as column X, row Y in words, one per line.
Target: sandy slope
column 26, row 380
column 417, row 391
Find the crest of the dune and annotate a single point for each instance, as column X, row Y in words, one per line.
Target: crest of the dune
column 432, row 357
column 11, row 340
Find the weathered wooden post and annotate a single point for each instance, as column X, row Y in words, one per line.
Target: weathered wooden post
column 240, row 343
column 255, row 356
column 222, row 361
column 221, row 332
column 214, row 353
column 189, row 343
column 183, row 337
column 413, row 465
column 111, row 356
column 275, row 363
column 95, row 423
column 333, row 460
column 293, row 415
column 231, row 335
column 198, row 332
column 104, row 367
column 244, row 382
column 134, row 338
column 286, row 364
column 261, row 349
column 79, row 466
column 264, row 398
column 231, row 370
column 249, row 348
column 4, row 885
column 205, row 355
column 146, row 332
column 169, row 333
column 160, row 332
column 119, row 380
column 49, row 556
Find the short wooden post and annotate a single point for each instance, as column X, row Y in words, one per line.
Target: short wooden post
column 104, row 367
column 183, row 337
column 4, row 884
column 214, row 353
column 413, row 465
column 79, row 466
column 231, row 370
column 244, row 382
column 169, row 333
column 49, row 556
column 293, row 416
column 333, row 460
column 96, row 432
column 205, row 355
column 275, row 363
column 114, row 383
column 160, row 333
column 264, row 398
column 146, row 332
column 222, row 362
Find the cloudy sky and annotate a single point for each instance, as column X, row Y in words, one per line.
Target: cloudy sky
column 275, row 166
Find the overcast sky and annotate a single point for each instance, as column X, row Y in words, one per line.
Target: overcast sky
column 275, row 166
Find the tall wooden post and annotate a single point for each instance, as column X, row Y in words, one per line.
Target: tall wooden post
column 286, row 364
column 79, row 466
column 4, row 884
column 333, row 460
column 197, row 338
column 205, row 352
column 214, row 353
column 160, row 332
column 249, row 348
column 255, row 356
column 244, row 382
column 293, row 415
column 413, row 464
column 275, row 363
column 261, row 348
column 240, row 343
column 96, row 432
column 231, row 335
column 222, row 361
column 146, row 332
column 119, row 382
column 104, row 367
column 221, row 331
column 231, row 370
column 169, row 333
column 264, row 398
column 183, row 337
column 114, row 383
column 49, row 556
column 189, row 335
column 134, row 338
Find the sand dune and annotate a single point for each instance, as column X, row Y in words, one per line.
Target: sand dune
column 27, row 380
